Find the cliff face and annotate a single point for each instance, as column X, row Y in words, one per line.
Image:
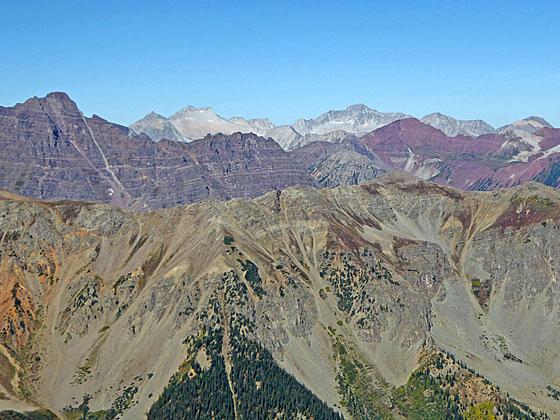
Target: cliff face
column 50, row 150
column 351, row 290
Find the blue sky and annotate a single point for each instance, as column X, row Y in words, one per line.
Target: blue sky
column 494, row 60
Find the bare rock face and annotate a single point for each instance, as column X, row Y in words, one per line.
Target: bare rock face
column 343, row 163
column 51, row 151
column 398, row 297
column 529, row 125
column 285, row 136
column 346, row 167
column 338, row 136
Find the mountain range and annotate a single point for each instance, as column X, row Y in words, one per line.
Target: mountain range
column 370, row 266
column 192, row 123
column 50, row 150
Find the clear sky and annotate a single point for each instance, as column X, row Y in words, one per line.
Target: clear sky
column 496, row 60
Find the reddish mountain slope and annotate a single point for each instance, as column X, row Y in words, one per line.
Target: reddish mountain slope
column 485, row 162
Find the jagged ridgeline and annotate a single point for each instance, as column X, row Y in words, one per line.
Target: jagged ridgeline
column 395, row 299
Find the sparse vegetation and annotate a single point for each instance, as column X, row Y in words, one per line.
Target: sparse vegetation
column 441, row 388
column 252, row 276
column 423, row 398
column 553, row 392
column 363, row 394
column 28, row 415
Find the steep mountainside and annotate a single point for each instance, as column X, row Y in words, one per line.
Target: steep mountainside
column 50, row 150
column 285, row 136
column 524, row 138
column 395, row 298
column 453, row 127
column 338, row 136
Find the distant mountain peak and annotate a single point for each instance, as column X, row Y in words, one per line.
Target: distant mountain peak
column 157, row 127
column 454, row 127
column 154, row 114
column 539, row 120
column 358, row 119
column 529, row 125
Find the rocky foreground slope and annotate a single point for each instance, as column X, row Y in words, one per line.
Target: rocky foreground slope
column 397, row 298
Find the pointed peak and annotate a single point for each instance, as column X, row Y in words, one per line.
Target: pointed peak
column 57, row 99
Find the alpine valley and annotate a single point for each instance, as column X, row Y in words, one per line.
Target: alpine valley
column 357, row 265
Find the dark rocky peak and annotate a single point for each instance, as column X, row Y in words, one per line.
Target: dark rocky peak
column 234, row 140
column 60, row 103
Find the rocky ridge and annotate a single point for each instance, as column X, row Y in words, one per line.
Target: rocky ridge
column 50, row 150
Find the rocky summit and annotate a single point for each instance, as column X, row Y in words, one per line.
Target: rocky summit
column 397, row 298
